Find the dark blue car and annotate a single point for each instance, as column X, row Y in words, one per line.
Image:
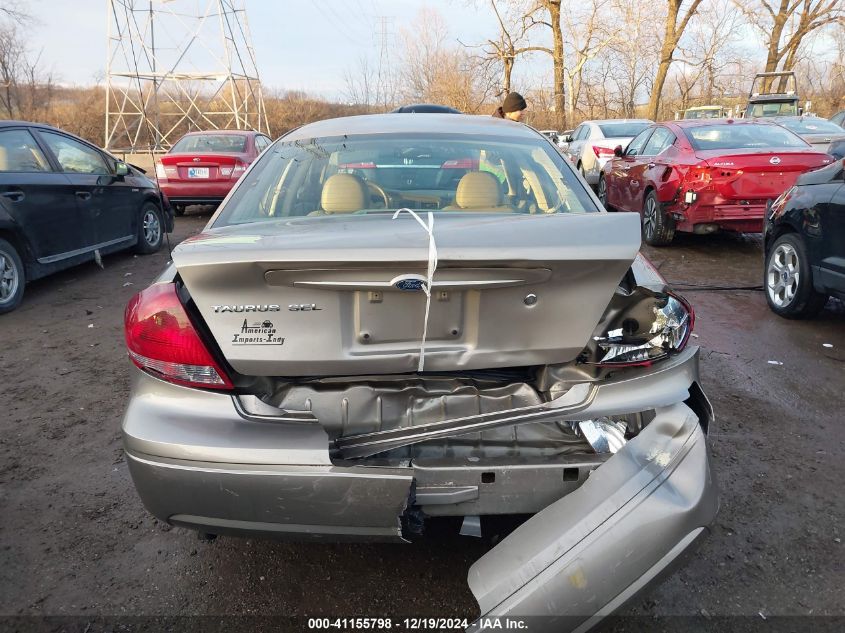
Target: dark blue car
column 62, row 201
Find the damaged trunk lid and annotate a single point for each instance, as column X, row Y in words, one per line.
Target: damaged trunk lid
column 345, row 295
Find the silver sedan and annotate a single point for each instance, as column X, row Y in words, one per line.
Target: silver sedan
column 395, row 319
column 591, row 144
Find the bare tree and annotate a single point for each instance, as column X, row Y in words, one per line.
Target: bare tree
column 434, row 69
column 25, row 90
column 588, row 32
column 785, row 24
column 676, row 22
column 634, row 58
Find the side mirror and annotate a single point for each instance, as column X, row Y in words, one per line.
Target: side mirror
column 121, row 169
column 617, row 151
column 568, row 138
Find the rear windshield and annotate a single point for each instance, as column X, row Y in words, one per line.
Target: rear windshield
column 741, row 136
column 709, row 113
column 812, row 126
column 225, row 143
column 382, row 173
column 622, row 130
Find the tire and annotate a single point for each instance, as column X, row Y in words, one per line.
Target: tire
column 150, row 229
column 601, row 192
column 658, row 228
column 788, row 280
column 179, row 209
column 12, row 277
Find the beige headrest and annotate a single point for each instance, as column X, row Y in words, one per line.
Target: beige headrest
column 343, row 193
column 478, row 190
column 4, row 159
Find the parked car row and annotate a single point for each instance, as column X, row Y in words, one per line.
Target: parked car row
column 701, row 176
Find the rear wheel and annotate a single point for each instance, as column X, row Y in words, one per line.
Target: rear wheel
column 12, row 277
column 789, row 280
column 658, row 229
column 601, row 192
column 150, row 229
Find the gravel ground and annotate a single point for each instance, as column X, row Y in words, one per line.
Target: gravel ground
column 75, row 540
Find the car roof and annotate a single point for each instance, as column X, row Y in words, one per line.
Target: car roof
column 687, row 123
column 42, row 126
column 605, row 121
column 241, row 132
column 421, row 123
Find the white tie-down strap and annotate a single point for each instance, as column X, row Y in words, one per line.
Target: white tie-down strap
column 432, row 266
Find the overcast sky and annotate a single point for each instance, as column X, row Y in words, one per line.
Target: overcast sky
column 299, row 44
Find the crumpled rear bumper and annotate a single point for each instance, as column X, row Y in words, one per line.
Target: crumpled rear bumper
column 586, row 555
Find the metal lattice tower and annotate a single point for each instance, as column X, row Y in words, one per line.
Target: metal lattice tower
column 178, row 65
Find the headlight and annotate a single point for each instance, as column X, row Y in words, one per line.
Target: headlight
column 670, row 322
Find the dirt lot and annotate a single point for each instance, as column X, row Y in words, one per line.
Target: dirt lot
column 75, row 540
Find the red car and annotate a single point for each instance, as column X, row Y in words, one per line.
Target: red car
column 700, row 176
column 202, row 166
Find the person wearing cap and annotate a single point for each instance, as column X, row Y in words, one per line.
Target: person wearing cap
column 512, row 108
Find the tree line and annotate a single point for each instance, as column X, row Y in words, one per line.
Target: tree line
column 608, row 59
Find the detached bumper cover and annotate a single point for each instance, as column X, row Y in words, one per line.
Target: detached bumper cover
column 586, row 555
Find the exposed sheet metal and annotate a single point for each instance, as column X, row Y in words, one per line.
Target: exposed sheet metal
column 603, row 434
column 575, row 400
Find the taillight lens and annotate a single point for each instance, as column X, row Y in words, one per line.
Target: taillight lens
column 163, row 342
column 672, row 322
column 602, row 152
column 160, row 173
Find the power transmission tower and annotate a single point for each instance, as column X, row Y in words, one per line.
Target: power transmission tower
column 384, row 77
column 178, row 65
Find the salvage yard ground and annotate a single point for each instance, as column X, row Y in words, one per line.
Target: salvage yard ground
column 75, row 540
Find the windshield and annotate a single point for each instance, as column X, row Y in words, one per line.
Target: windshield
column 741, row 136
column 382, row 173
column 812, row 126
column 623, row 130
column 216, row 143
column 789, row 108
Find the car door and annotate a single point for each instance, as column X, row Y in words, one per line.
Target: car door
column 110, row 203
column 831, row 249
column 38, row 200
column 651, row 164
column 574, row 148
column 620, row 188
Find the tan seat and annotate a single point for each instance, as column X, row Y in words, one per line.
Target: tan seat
column 479, row 191
column 343, row 193
column 4, row 159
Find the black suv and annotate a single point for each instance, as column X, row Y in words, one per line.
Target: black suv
column 62, row 201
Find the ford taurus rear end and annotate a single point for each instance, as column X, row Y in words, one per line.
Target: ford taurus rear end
column 395, row 319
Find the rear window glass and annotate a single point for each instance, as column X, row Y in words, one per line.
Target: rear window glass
column 812, row 126
column 226, row 143
column 741, row 136
column 381, row 173
column 621, row 130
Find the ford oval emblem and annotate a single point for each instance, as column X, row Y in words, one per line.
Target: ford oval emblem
column 775, row 160
column 409, row 283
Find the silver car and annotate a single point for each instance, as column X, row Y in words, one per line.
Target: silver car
column 394, row 319
column 591, row 144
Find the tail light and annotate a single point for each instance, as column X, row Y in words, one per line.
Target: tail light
column 160, row 173
column 633, row 343
column 233, row 171
column 603, row 152
column 163, row 342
